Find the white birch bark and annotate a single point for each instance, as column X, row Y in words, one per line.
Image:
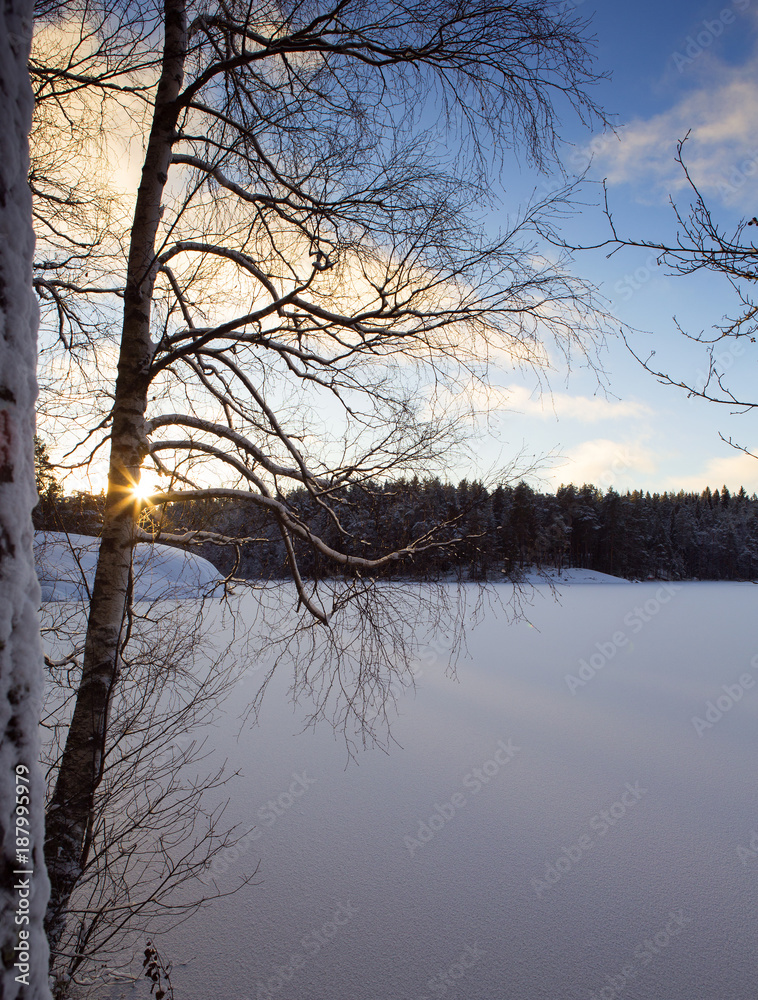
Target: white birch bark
column 24, row 888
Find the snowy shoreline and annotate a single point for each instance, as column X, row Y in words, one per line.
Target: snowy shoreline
column 66, row 566
column 65, row 561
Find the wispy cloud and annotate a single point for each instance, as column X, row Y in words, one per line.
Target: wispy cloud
column 563, row 406
column 731, row 470
column 721, row 115
column 605, row 462
column 634, row 463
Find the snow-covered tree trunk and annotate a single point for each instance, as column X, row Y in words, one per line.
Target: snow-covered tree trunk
column 24, row 889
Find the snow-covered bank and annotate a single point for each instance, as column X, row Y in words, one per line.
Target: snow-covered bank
column 568, row 577
column 65, row 561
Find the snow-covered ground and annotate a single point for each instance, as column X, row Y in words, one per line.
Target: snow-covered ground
column 575, row 816
column 65, row 561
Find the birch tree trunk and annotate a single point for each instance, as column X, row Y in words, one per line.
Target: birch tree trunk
column 24, row 888
column 71, row 810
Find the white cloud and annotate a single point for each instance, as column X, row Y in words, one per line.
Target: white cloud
column 585, row 409
column 722, row 153
column 731, row 470
column 605, row 462
column 633, row 464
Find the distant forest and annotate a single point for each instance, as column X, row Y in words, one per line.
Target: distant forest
column 475, row 533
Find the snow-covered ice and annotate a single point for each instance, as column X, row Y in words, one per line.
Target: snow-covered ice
column 601, row 858
column 552, row 823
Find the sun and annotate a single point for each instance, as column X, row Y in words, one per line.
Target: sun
column 142, row 491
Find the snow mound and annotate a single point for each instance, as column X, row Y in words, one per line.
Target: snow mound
column 570, row 576
column 160, row 572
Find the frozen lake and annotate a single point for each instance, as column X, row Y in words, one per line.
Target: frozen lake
column 552, row 824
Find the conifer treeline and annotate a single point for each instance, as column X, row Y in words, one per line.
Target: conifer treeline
column 476, row 533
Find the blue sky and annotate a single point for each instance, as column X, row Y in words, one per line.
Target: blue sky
column 676, row 67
